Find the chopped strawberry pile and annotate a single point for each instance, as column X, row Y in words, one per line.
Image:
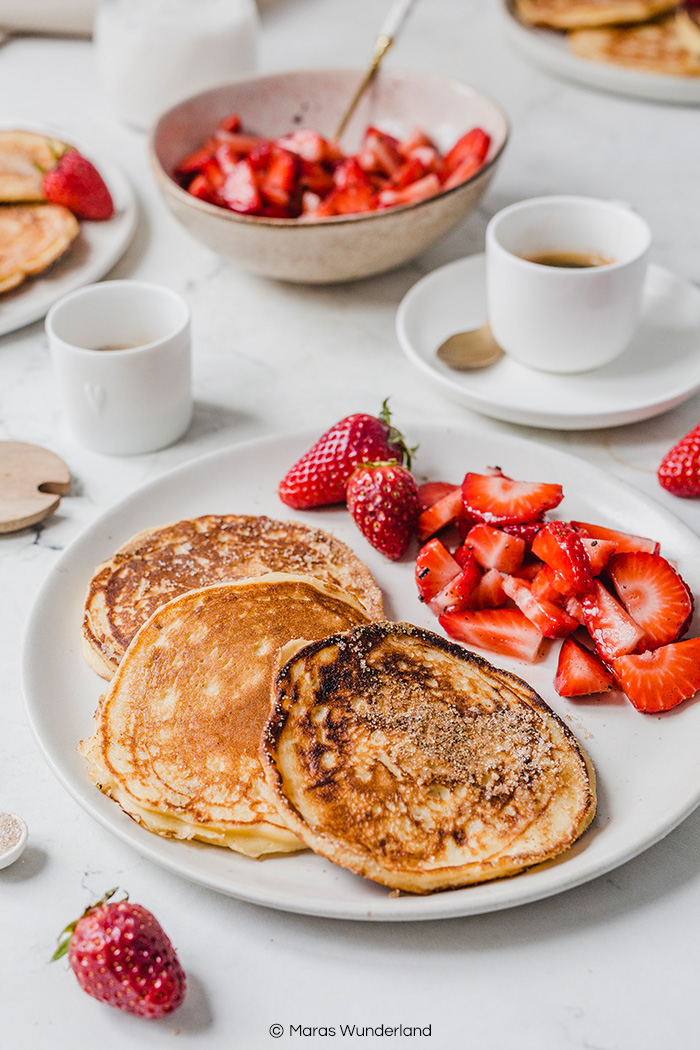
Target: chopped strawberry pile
column 304, row 175
column 502, row 576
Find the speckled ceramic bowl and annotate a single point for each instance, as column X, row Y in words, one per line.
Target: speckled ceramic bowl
column 345, row 247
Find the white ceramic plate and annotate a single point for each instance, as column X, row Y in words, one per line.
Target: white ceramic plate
column 97, row 248
column 659, row 370
column 547, row 48
column 648, row 767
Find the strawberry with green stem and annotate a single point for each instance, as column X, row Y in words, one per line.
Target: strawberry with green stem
column 121, row 956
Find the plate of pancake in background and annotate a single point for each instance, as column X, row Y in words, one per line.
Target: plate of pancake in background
column 54, row 253
column 647, row 49
column 647, row 768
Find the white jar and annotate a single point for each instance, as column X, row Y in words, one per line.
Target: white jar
column 154, row 53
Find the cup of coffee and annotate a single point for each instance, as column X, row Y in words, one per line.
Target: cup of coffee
column 121, row 355
column 564, row 280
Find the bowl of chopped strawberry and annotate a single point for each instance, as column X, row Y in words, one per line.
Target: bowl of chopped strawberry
column 253, row 170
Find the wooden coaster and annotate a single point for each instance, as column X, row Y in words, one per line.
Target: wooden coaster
column 32, row 481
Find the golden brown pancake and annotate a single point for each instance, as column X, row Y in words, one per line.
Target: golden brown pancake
column 177, row 733
column 577, row 14
column 688, row 28
column 24, row 157
column 412, row 761
column 652, row 48
column 157, row 565
column 32, row 237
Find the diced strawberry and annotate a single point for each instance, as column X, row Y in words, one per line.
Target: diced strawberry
column 428, row 156
column 305, row 142
column 201, row 188
column 560, row 547
column 315, row 177
column 612, row 629
column 474, row 144
column 660, row 679
column 489, row 593
column 238, row 142
column 443, row 512
column 414, row 140
column 231, row 123
column 226, row 158
column 598, row 551
column 574, row 606
column 410, row 171
column 240, row 189
column 260, row 156
column 435, row 568
column 654, row 594
column 499, row 500
column 211, row 169
column 580, row 672
column 416, row 191
column 549, row 618
column 624, row 541
column 462, row 172
column 280, row 181
column 529, row 568
column 380, row 152
column 456, row 595
column 193, row 162
column 431, row 491
column 504, row 631
column 547, row 583
column 495, row 549
column 527, row 530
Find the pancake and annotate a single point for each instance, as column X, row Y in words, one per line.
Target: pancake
column 688, row 28
column 177, row 733
column 24, row 157
column 577, row 14
column 416, row 763
column 653, row 48
column 157, row 565
column 32, row 237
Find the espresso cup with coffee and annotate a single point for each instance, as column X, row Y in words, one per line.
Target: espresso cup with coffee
column 121, row 356
column 564, row 280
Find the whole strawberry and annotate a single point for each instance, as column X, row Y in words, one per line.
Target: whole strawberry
column 77, row 184
column 321, row 475
column 383, row 500
column 122, row 956
column 679, row 472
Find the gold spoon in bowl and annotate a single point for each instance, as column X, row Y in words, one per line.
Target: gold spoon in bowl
column 475, row 348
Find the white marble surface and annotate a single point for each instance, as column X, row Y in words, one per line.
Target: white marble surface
column 610, row 965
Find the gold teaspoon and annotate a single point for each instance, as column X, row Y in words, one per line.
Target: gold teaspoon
column 473, row 349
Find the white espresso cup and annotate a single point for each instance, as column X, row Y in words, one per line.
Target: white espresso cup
column 564, row 280
column 121, row 355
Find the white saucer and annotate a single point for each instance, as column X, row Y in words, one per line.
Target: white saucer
column 659, row 370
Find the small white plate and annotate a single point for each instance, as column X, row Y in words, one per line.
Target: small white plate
column 96, row 249
column 548, row 48
column 659, row 370
column 648, row 767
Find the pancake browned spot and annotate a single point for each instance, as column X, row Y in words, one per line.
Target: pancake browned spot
column 156, row 565
column 177, row 733
column 414, row 762
column 24, row 157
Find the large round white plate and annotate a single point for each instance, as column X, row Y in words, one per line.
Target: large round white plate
column 659, row 370
column 548, row 48
column 648, row 766
column 97, row 248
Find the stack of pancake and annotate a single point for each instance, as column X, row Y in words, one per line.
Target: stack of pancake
column 33, row 233
column 649, row 36
column 259, row 702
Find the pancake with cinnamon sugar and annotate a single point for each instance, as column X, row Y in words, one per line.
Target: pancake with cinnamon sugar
column 158, row 564
column 417, row 764
column 656, row 47
column 177, row 733
column 576, row 14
